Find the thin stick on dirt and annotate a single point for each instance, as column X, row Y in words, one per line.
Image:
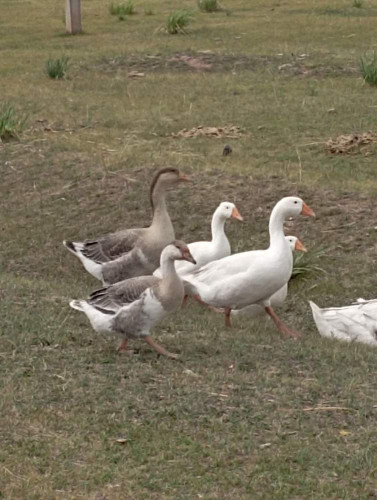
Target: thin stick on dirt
column 299, row 165
column 329, row 408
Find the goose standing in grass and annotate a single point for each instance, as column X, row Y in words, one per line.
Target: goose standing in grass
column 133, row 307
column 207, row 251
column 252, row 277
column 132, row 252
column 354, row 323
column 278, row 297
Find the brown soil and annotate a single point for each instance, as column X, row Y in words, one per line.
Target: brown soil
column 211, row 62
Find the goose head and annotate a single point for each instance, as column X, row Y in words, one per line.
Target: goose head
column 292, row 206
column 178, row 250
column 295, row 244
column 226, row 210
column 168, row 177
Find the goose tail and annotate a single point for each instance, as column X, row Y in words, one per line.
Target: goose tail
column 77, row 304
column 73, row 246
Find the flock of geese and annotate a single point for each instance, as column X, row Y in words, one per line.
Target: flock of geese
column 148, row 274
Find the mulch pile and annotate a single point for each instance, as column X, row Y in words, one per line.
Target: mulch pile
column 228, row 131
column 351, row 143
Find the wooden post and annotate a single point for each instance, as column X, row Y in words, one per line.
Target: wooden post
column 73, row 16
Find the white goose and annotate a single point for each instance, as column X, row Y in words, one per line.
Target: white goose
column 252, row 277
column 133, row 307
column 207, row 251
column 278, row 297
column 132, row 252
column 355, row 323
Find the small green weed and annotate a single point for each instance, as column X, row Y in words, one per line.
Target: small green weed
column 208, row 5
column 122, row 9
column 57, row 68
column 304, row 264
column 368, row 68
column 177, row 21
column 148, row 11
column 11, row 123
column 358, row 4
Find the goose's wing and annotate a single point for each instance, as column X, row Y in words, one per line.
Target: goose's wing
column 217, row 270
column 111, row 246
column 352, row 323
column 113, row 297
column 130, row 265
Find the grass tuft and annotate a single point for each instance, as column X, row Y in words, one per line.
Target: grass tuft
column 57, row 68
column 148, row 11
column 11, row 123
column 368, row 68
column 177, row 21
column 358, row 4
column 122, row 9
column 304, row 264
column 208, row 5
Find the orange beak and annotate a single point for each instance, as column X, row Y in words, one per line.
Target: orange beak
column 307, row 210
column 236, row 214
column 299, row 246
column 183, row 177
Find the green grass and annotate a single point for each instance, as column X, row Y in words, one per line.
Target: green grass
column 57, row 68
column 358, row 4
column 177, row 22
column 243, row 414
column 368, row 68
column 12, row 123
column 208, row 5
column 307, row 264
column 122, row 9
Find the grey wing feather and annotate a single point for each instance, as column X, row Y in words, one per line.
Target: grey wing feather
column 115, row 296
column 112, row 246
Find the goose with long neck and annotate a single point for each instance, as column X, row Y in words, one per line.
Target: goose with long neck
column 207, row 251
column 247, row 278
column 278, row 298
column 132, row 252
column 133, row 307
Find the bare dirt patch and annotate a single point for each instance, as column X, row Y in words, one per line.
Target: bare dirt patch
column 207, row 61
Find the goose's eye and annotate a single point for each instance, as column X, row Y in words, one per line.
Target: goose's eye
column 296, row 202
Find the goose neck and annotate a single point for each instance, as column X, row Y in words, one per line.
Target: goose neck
column 217, row 227
column 276, row 227
column 158, row 202
column 168, row 268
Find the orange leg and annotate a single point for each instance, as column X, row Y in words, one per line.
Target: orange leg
column 287, row 332
column 157, row 347
column 122, row 346
column 227, row 317
column 184, row 301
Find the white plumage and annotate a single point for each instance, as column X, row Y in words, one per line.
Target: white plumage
column 252, row 277
column 278, row 297
column 354, row 323
column 207, row 251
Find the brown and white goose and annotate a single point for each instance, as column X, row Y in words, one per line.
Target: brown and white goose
column 132, row 252
column 133, row 307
